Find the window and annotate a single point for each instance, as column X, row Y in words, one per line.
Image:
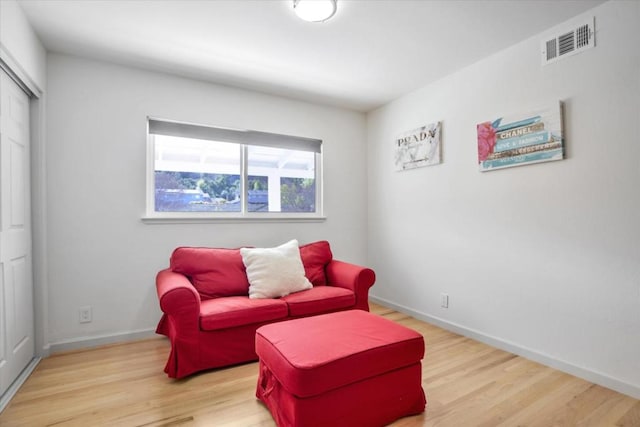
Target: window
column 201, row 172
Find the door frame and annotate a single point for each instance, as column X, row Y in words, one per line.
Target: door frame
column 37, row 101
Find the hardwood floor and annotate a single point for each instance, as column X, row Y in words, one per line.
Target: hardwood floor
column 467, row 384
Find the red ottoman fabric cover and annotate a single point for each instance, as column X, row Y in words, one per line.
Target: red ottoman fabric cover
column 347, row 368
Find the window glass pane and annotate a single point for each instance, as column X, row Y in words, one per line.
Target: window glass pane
column 298, row 194
column 193, row 175
column 258, row 194
column 281, row 180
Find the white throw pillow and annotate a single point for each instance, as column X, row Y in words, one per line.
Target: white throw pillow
column 274, row 272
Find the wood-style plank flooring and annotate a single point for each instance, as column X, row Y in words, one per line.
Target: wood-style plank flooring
column 467, row 383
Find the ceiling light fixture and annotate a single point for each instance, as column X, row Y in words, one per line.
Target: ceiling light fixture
column 315, row 10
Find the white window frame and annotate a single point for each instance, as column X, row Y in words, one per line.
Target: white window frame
column 244, row 138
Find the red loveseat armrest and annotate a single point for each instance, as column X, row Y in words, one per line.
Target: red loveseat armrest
column 180, row 304
column 179, row 300
column 353, row 277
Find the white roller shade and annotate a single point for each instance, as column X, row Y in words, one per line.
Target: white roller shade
column 238, row 136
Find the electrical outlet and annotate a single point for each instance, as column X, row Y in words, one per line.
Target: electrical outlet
column 444, row 300
column 85, row 314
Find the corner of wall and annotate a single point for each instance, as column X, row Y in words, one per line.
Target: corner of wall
column 20, row 47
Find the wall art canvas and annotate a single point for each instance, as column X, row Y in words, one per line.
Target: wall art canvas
column 521, row 139
column 418, row 147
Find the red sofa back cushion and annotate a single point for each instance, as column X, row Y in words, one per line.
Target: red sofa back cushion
column 315, row 257
column 219, row 272
column 214, row 272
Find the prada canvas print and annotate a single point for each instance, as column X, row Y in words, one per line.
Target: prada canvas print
column 521, row 139
column 418, row 147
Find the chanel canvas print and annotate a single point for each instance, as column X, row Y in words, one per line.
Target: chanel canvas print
column 521, row 139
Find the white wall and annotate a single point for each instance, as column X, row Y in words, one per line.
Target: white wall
column 20, row 47
column 541, row 259
column 100, row 253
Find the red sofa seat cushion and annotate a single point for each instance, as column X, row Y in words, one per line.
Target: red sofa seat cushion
column 214, row 272
column 315, row 257
column 319, row 299
column 312, row 355
column 229, row 312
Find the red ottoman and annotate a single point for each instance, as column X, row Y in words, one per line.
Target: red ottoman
column 350, row 368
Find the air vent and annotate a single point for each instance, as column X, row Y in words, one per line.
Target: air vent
column 568, row 42
column 582, row 36
column 552, row 52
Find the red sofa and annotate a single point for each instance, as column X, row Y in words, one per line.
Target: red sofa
column 210, row 319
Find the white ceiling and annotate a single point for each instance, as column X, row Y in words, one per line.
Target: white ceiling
column 369, row 53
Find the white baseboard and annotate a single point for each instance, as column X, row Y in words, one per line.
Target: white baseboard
column 98, row 340
column 15, row 386
column 586, row 374
column 45, row 351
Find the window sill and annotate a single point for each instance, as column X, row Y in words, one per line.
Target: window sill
column 153, row 220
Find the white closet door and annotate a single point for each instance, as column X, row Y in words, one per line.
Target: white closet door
column 16, row 280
